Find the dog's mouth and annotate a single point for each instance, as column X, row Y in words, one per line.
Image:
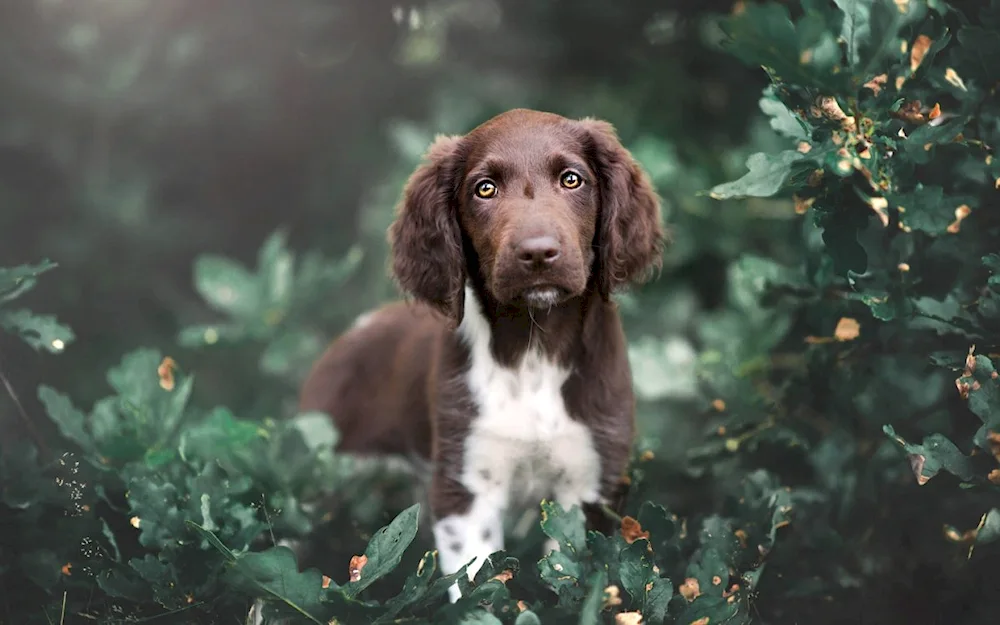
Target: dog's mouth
column 543, row 296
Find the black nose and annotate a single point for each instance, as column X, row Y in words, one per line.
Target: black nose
column 538, row 252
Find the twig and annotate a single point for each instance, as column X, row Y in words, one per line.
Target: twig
column 28, row 423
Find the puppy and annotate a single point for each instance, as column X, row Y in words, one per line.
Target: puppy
column 508, row 370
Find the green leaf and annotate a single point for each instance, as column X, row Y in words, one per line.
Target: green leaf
column 783, row 121
column 275, row 574
column 766, row 176
column 72, row 423
column 856, row 29
column 527, row 618
column 989, row 528
column 275, row 264
column 590, row 611
column 567, row 527
column 38, row 331
column 385, row 549
column 803, row 53
column 936, row 453
column 16, row 281
column 227, row 286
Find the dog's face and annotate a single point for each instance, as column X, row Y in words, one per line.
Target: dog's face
column 539, row 207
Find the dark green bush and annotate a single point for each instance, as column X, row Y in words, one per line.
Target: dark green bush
column 779, row 478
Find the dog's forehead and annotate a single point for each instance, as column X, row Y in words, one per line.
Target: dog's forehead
column 525, row 139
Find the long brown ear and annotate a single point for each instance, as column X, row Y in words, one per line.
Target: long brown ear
column 425, row 240
column 630, row 237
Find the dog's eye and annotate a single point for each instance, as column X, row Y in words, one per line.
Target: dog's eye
column 570, row 180
column 486, row 189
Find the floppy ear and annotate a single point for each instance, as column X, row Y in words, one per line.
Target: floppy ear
column 425, row 240
column 630, row 237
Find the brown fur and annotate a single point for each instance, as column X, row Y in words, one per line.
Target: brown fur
column 394, row 385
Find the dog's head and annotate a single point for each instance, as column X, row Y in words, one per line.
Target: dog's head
column 535, row 207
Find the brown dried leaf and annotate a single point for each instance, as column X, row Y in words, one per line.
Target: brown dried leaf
column 632, row 531
column 935, row 112
column 166, row 373
column 628, row 618
column 847, row 329
column 960, row 213
column 917, row 462
column 910, row 112
column 504, row 576
column 876, row 84
column 357, row 563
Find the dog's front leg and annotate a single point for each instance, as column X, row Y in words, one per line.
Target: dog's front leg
column 468, row 514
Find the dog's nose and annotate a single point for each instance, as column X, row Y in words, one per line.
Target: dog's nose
column 538, row 252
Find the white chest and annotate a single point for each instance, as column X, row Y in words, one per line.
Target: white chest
column 523, row 441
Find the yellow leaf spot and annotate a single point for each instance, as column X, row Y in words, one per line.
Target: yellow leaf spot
column 690, row 589
column 719, row 405
column 881, row 207
column 721, row 431
column 902, row 5
column 647, row 456
column 804, row 147
column 847, row 329
column 741, row 535
column 66, row 569
column 134, row 522
column 732, row 444
column 904, row 267
column 521, row 605
column 326, row 581
column 166, row 373
column 611, row 597
column 805, row 57
column 211, row 336
column 716, row 580
column 844, row 165
column 960, row 213
column 935, row 112
column 189, row 599
column 919, row 50
column 58, row 345
column 953, row 78
column 702, row 621
column 899, row 82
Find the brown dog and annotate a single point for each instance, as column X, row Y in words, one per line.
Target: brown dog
column 510, row 371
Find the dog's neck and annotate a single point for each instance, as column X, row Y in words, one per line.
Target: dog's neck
column 556, row 332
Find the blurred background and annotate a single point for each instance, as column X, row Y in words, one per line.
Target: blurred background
column 137, row 135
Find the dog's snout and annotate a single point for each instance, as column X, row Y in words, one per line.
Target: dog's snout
column 538, row 252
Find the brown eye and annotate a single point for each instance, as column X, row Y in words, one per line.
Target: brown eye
column 570, row 180
column 486, row 189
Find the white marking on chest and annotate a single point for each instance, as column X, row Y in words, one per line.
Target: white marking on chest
column 523, row 442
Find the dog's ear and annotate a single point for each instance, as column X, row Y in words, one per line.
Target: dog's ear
column 630, row 237
column 426, row 244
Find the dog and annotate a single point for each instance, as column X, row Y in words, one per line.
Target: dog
column 506, row 368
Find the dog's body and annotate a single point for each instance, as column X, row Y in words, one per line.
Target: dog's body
column 510, row 371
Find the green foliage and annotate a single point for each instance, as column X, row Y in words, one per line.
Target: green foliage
column 38, row 331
